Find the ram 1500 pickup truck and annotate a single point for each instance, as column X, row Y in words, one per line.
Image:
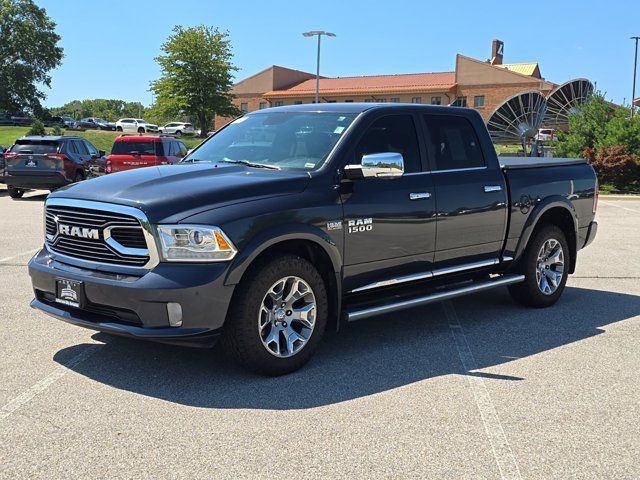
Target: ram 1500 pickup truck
column 296, row 219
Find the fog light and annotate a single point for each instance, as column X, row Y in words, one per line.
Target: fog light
column 174, row 310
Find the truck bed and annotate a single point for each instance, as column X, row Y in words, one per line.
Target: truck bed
column 511, row 163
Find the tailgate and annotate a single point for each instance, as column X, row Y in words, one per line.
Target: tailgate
column 32, row 164
column 121, row 163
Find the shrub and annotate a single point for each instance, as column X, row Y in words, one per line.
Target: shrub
column 37, row 128
column 614, row 164
column 57, row 131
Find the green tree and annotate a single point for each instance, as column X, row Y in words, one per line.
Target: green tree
column 109, row 109
column 196, row 76
column 37, row 128
column 586, row 127
column 28, row 52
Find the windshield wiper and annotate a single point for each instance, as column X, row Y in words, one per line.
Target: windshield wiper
column 251, row 164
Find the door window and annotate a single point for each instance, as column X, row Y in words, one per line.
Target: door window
column 393, row 133
column 454, row 142
column 92, row 150
column 82, row 150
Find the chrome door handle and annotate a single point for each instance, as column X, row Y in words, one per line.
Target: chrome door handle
column 419, row 196
column 492, row 188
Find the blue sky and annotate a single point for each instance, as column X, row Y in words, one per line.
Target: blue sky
column 110, row 45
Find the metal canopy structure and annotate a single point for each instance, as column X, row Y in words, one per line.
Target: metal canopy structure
column 518, row 118
column 565, row 100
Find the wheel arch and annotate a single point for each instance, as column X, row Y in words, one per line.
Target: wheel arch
column 552, row 211
column 312, row 246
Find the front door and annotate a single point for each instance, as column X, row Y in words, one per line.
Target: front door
column 471, row 194
column 389, row 223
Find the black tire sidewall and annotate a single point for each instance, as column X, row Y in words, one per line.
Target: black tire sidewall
column 529, row 292
column 241, row 337
column 15, row 192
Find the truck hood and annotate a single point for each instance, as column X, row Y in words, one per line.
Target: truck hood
column 173, row 192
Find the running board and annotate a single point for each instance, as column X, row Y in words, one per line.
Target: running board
column 479, row 286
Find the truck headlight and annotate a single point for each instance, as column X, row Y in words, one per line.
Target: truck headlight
column 194, row 243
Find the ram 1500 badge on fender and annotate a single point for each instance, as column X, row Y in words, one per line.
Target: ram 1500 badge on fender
column 297, row 219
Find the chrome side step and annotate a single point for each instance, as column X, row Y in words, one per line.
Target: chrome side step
column 479, row 286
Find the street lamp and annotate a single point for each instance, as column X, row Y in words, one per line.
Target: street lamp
column 635, row 67
column 319, row 34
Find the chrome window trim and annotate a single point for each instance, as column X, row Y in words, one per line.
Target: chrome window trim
column 139, row 215
column 430, row 274
column 451, row 170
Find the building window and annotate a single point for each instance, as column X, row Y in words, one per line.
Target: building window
column 279, row 103
column 331, row 101
column 416, row 100
column 478, row 101
column 244, row 107
column 348, row 101
column 460, row 102
column 394, row 100
column 381, row 100
column 298, row 102
column 262, row 105
column 368, row 100
column 436, row 100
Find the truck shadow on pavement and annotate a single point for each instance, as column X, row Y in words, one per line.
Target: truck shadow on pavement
column 365, row 358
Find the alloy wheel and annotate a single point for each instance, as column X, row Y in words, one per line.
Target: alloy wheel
column 550, row 266
column 287, row 316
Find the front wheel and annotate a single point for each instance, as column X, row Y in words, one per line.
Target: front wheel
column 178, row 134
column 546, row 268
column 118, row 129
column 278, row 316
column 140, row 130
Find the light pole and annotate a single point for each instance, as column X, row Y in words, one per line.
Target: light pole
column 319, row 34
column 635, row 67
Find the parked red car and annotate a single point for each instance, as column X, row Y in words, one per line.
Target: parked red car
column 136, row 151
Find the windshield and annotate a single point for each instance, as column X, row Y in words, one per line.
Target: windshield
column 286, row 140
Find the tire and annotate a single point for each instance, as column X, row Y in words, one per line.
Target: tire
column 78, row 177
column 118, row 129
column 256, row 337
column 545, row 281
column 140, row 130
column 178, row 133
column 15, row 192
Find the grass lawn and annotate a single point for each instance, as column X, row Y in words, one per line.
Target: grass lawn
column 102, row 140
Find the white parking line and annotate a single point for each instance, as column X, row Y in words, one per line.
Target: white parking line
column 501, row 449
column 47, row 381
column 28, row 252
column 618, row 206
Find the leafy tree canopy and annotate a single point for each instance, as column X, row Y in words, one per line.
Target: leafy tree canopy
column 109, row 109
column 196, row 76
column 28, row 52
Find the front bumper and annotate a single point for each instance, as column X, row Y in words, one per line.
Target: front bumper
column 37, row 180
column 136, row 306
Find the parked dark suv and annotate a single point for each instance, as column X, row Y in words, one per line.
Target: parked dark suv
column 50, row 162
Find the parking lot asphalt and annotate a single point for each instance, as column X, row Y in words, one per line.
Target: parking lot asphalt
column 474, row 388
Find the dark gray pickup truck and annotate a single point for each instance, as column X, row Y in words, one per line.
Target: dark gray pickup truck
column 297, row 219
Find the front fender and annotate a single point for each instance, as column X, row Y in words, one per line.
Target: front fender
column 278, row 234
column 538, row 211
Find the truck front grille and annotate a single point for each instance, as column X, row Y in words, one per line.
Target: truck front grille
column 93, row 235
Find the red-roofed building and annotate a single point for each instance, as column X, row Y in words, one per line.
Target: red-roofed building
column 483, row 85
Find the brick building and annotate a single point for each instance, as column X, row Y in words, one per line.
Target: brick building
column 482, row 85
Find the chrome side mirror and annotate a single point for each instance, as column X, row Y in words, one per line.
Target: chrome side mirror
column 376, row 165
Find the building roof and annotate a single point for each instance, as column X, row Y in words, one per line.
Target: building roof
column 521, row 68
column 402, row 83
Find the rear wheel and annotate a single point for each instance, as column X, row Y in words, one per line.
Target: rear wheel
column 546, row 268
column 278, row 316
column 78, row 177
column 15, row 192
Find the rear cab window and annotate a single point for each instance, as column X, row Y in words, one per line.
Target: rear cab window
column 453, row 143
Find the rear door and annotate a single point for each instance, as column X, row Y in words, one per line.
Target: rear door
column 389, row 223
column 470, row 193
